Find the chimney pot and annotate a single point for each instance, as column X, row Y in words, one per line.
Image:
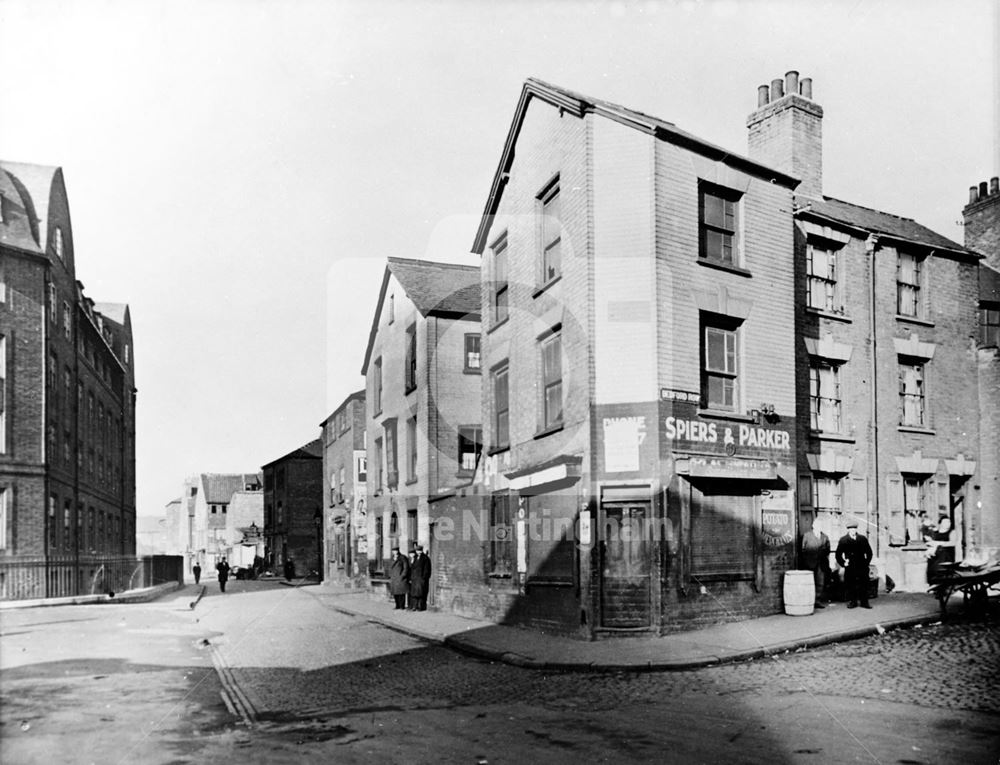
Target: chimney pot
column 777, row 90
column 994, row 185
column 762, row 95
column 806, row 87
column 791, row 82
column 973, row 194
column 982, row 189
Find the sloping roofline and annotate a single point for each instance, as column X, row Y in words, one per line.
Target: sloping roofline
column 358, row 394
column 579, row 105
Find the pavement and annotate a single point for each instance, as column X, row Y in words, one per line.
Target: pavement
column 723, row 643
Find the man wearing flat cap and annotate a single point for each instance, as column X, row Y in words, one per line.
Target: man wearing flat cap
column 399, row 578
column 853, row 556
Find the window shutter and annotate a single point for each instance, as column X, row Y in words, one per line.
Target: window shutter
column 857, row 499
column 897, row 521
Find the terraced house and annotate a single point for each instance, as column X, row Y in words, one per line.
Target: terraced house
column 67, row 404
column 422, row 371
column 345, row 492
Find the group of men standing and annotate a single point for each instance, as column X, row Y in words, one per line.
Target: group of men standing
column 409, row 579
column 854, row 554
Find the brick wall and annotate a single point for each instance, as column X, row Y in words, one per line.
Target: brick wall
column 989, row 467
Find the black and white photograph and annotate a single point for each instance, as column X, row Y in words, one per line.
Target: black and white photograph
column 610, row 381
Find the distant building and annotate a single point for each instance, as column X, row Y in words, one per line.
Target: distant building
column 293, row 510
column 345, row 512
column 245, row 528
column 67, row 401
column 982, row 234
column 424, row 430
column 205, row 524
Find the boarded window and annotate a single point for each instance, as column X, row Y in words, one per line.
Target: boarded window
column 551, row 549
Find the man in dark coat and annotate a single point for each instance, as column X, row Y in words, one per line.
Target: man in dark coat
column 816, row 558
column 421, row 579
column 196, row 570
column 399, row 578
column 853, row 556
column 223, row 568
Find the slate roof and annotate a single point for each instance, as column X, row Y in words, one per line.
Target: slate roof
column 311, row 450
column 878, row 222
column 438, row 287
column 578, row 105
column 220, row 487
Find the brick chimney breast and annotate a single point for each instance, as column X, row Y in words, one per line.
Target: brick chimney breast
column 785, row 132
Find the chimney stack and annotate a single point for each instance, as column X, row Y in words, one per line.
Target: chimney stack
column 982, row 220
column 785, row 131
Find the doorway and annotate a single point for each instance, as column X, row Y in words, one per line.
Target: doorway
column 625, row 565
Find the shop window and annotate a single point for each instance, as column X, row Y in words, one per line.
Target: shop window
column 722, row 532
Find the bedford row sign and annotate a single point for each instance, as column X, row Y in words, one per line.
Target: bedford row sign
column 742, row 435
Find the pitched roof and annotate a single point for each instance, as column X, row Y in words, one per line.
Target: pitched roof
column 27, row 191
column 578, row 105
column 358, row 395
column 879, row 223
column 311, row 450
column 220, row 487
column 436, row 289
column 117, row 312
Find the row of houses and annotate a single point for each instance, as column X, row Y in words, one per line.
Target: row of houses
column 670, row 360
column 67, row 404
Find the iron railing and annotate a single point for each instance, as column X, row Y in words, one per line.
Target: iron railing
column 26, row 577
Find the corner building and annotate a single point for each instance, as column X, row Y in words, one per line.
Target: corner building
column 639, row 411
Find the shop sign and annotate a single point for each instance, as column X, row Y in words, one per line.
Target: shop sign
column 622, row 438
column 776, row 527
column 723, row 467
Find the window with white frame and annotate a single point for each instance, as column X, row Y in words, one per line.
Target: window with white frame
column 822, row 279
column 501, row 408
column 501, row 297
column 914, row 512
column 720, row 364
column 827, row 495
column 912, row 394
column 824, row 396
column 909, row 285
column 472, row 353
column 552, row 379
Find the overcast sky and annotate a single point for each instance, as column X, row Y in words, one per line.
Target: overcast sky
column 238, row 171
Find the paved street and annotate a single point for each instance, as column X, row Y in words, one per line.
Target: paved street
column 318, row 685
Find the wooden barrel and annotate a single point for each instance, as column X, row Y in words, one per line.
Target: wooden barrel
column 800, row 593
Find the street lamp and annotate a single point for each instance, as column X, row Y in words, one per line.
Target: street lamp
column 318, row 523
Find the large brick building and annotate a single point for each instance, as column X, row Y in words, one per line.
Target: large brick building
column 638, row 407
column 293, row 510
column 422, row 371
column 345, row 491
column 884, row 316
column 67, row 399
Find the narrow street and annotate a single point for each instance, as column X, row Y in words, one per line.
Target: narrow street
column 266, row 673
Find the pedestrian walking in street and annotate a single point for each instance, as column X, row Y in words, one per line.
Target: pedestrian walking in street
column 289, row 569
column 223, row 568
column 399, row 578
column 420, row 577
column 196, row 570
column 816, row 558
column 854, row 554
